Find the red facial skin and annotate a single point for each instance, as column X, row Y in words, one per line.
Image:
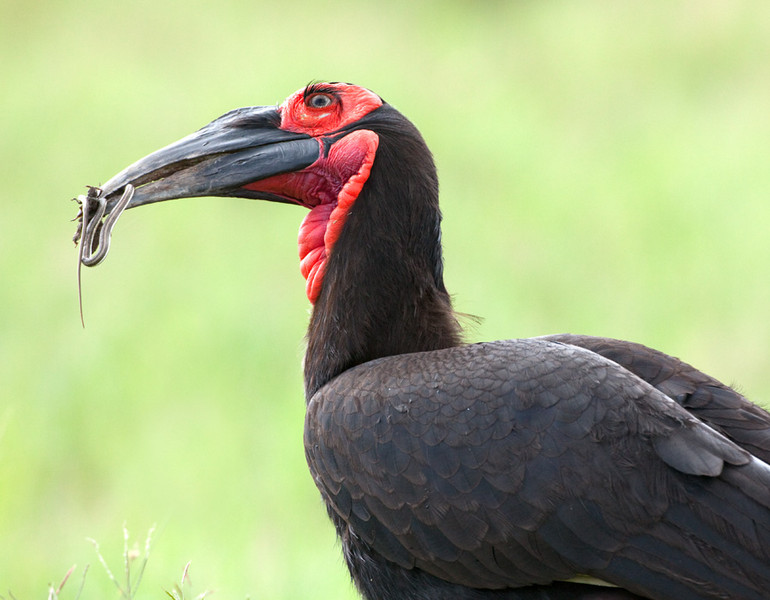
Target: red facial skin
column 348, row 104
column 330, row 186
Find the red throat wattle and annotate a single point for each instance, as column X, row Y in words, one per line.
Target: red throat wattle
column 330, row 186
column 350, row 162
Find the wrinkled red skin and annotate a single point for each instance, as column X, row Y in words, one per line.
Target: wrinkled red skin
column 349, row 104
column 329, row 186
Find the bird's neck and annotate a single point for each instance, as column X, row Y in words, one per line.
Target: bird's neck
column 383, row 292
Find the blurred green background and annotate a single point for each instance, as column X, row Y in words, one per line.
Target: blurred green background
column 604, row 170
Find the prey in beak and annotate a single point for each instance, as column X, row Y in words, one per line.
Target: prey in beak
column 241, row 147
column 315, row 150
column 95, row 233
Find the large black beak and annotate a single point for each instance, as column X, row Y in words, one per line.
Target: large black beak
column 240, row 147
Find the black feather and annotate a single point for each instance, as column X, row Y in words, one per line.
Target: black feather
column 501, row 470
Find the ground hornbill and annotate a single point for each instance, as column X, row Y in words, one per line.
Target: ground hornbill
column 556, row 467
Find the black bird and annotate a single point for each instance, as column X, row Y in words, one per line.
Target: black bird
column 556, row 467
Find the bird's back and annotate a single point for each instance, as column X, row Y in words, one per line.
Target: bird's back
column 504, row 464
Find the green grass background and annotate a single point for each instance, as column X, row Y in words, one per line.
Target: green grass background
column 604, row 167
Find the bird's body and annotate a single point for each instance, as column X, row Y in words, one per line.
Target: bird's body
column 502, row 470
column 503, row 464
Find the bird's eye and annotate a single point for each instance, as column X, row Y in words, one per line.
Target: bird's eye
column 319, row 101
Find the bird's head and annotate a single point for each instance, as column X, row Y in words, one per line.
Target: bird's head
column 319, row 149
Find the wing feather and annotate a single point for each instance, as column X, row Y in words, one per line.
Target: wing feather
column 522, row 462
